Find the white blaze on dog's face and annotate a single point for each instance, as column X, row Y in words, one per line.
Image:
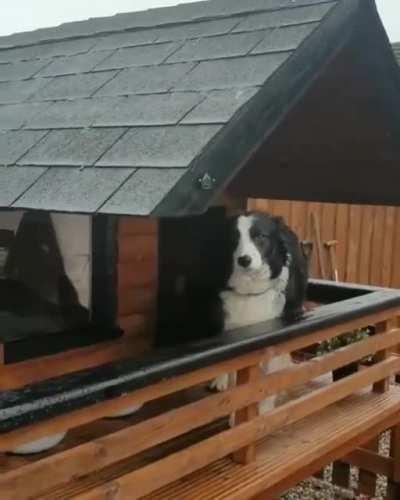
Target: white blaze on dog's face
column 259, row 256
column 251, row 273
column 247, row 256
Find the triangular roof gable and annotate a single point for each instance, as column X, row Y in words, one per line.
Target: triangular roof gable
column 155, row 112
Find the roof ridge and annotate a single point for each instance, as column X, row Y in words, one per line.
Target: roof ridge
column 22, row 42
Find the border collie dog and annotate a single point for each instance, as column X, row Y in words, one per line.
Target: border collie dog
column 249, row 271
column 267, row 279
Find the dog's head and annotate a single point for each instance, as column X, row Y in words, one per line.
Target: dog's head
column 260, row 252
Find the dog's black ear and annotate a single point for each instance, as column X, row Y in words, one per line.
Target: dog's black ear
column 298, row 270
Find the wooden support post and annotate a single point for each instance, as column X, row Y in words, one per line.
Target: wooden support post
column 245, row 376
column 341, row 474
column 367, row 479
column 382, row 385
column 393, row 492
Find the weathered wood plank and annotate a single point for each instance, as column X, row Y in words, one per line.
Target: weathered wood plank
column 137, row 248
column 143, row 274
column 137, row 225
column 380, row 329
column 342, row 228
column 365, row 244
column 388, row 244
column 137, row 301
column 395, row 281
column 370, row 461
column 377, row 246
column 32, row 371
column 366, row 478
column 244, row 377
column 136, row 325
column 353, row 243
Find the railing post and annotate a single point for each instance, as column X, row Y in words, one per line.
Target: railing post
column 246, row 376
column 382, row 385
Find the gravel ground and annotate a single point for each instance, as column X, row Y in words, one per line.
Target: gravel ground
column 316, row 489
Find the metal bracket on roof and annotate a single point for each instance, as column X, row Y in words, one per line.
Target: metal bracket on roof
column 206, row 182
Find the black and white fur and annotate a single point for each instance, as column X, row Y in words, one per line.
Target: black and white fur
column 249, row 271
column 268, row 279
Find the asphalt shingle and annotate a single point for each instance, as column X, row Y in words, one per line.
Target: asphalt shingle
column 72, row 147
column 231, row 7
column 286, row 38
column 220, row 106
column 16, row 143
column 146, row 80
column 72, row 86
column 131, row 39
column 142, row 192
column 16, row 180
column 20, row 70
column 73, row 189
column 70, row 114
column 146, row 55
column 217, row 47
column 14, row 116
column 195, row 30
column 147, row 110
column 159, row 146
column 286, row 17
column 17, row 92
column 396, row 50
column 232, row 73
column 47, row 50
column 81, row 63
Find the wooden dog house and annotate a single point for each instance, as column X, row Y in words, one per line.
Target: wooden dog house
column 117, row 135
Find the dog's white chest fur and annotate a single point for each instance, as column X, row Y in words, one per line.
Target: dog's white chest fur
column 243, row 310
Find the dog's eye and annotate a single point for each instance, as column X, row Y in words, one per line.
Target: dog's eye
column 258, row 235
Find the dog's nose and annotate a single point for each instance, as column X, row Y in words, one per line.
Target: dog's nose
column 244, row 261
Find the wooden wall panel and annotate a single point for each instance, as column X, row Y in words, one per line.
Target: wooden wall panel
column 368, row 237
column 365, row 245
column 395, row 279
column 137, row 276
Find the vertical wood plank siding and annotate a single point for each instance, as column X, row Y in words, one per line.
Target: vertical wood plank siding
column 137, row 276
column 368, row 249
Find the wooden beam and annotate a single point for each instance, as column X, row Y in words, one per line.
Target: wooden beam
column 380, row 328
column 244, row 377
column 370, row 461
column 367, row 478
column 29, row 372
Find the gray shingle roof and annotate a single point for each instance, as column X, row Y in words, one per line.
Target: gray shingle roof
column 396, row 49
column 111, row 114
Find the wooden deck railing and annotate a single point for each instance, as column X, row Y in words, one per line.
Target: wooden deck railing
column 125, row 461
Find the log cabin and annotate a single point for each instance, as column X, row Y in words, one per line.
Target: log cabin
column 124, row 141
